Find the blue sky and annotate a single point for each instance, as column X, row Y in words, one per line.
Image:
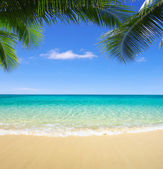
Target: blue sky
column 68, row 61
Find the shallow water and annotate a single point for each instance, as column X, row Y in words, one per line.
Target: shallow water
column 62, row 115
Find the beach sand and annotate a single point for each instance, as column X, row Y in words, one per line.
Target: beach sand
column 125, row 151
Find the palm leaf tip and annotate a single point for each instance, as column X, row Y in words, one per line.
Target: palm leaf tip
column 161, row 43
column 32, row 35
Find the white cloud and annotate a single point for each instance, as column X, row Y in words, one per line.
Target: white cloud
column 56, row 55
column 142, row 59
column 26, row 89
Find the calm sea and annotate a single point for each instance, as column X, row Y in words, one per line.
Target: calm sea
column 63, row 115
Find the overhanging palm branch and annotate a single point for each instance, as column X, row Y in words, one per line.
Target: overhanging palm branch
column 136, row 34
column 101, row 12
column 28, row 34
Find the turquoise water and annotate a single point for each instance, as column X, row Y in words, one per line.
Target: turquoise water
column 62, row 115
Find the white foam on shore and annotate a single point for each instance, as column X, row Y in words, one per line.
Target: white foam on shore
column 82, row 132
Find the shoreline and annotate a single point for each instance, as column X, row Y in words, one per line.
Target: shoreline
column 82, row 132
column 125, row 151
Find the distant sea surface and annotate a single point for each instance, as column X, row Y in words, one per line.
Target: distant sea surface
column 81, row 115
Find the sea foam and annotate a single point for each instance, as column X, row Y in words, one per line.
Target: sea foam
column 85, row 132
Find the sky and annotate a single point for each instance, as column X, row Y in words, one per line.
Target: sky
column 69, row 61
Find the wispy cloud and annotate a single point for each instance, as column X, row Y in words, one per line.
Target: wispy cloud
column 142, row 59
column 25, row 89
column 22, row 61
column 55, row 54
column 26, row 60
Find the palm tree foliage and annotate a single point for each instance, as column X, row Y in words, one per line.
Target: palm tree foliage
column 137, row 33
column 21, row 20
column 8, row 57
column 97, row 11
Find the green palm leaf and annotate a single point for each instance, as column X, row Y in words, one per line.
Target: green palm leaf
column 29, row 34
column 137, row 34
column 8, row 57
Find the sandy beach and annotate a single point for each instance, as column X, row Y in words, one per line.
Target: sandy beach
column 126, row 151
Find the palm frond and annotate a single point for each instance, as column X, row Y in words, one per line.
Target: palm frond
column 100, row 12
column 8, row 57
column 135, row 35
column 28, row 32
column 30, row 35
column 111, row 15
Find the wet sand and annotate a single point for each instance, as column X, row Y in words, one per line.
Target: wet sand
column 126, row 151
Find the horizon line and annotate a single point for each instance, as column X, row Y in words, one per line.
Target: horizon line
column 78, row 94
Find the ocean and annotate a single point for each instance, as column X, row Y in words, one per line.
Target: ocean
column 79, row 115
